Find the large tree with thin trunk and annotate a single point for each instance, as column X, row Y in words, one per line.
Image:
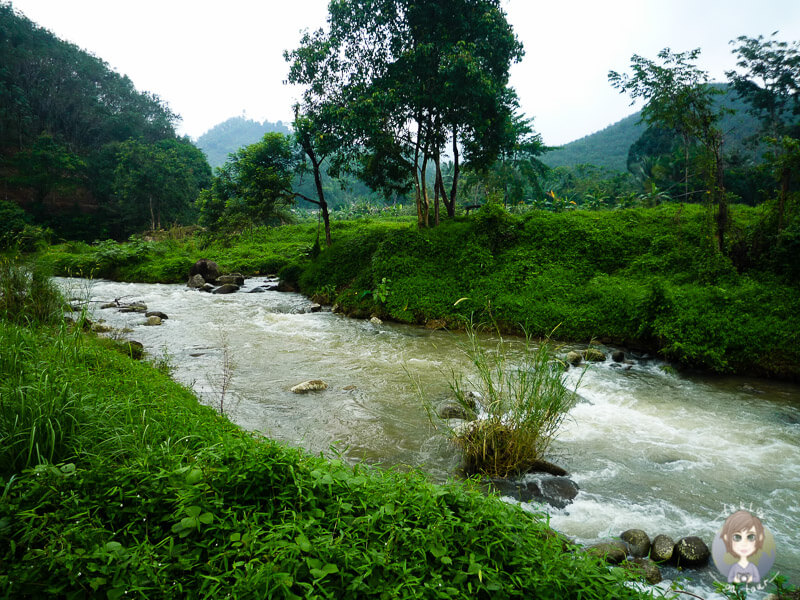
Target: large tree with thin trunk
column 412, row 81
column 678, row 97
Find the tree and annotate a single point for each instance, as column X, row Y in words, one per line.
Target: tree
column 678, row 96
column 156, row 183
column 770, row 83
column 254, row 187
column 407, row 78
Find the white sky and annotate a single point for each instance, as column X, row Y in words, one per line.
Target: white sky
column 211, row 59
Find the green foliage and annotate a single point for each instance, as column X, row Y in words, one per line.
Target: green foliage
column 253, row 188
column 27, row 294
column 226, row 138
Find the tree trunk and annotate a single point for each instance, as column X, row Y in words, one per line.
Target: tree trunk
column 719, row 191
column 451, row 205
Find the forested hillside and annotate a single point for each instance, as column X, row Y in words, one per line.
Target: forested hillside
column 82, row 151
column 609, row 147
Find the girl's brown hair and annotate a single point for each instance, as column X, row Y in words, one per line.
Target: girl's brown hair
column 742, row 521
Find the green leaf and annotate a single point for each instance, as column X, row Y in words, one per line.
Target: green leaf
column 193, row 511
column 206, row 518
column 303, row 542
column 194, row 476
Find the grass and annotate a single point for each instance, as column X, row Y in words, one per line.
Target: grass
column 515, row 405
column 116, row 483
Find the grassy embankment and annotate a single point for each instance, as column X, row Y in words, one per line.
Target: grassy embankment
column 643, row 278
column 117, row 483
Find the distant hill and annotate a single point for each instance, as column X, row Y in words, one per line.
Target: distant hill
column 228, row 136
column 609, row 147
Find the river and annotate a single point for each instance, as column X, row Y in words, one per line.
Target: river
column 649, row 448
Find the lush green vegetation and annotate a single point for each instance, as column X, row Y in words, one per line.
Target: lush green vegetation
column 117, row 483
column 232, row 134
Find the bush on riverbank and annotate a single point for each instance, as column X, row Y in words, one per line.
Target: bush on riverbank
column 643, row 278
column 129, row 488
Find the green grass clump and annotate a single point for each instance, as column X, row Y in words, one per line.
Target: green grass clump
column 515, row 405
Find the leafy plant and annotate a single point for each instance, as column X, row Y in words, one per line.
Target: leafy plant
column 516, row 403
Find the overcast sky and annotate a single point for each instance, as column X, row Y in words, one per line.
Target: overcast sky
column 211, row 59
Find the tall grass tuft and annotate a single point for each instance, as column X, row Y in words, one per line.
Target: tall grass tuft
column 516, row 405
column 28, row 295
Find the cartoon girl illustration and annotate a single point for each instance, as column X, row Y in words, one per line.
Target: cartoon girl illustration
column 743, row 535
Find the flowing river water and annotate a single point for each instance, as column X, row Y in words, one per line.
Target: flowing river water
column 649, row 448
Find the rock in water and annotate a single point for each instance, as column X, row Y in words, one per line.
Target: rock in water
column 207, row 269
column 611, row 552
column 312, row 385
column 691, row 552
column 153, row 320
column 661, row 549
column 638, row 542
column 196, row 281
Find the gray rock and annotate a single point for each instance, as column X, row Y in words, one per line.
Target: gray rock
column 196, row 281
column 662, row 548
column 638, row 542
column 153, row 321
column 453, row 411
column 257, row 290
column 207, row 287
column 593, row 355
column 109, row 305
column 207, row 269
column 156, row 313
column 311, row 385
column 573, row 358
column 644, row 568
column 558, row 492
column 618, row 356
column 315, row 308
column 691, row 551
column 228, row 288
column 234, row 278
column 611, row 552
column 134, row 308
column 375, row 320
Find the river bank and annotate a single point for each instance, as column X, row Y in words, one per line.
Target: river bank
column 119, row 483
column 643, row 278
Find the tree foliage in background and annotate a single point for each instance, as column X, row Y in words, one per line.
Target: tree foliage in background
column 253, row 188
column 409, row 80
column 678, row 97
column 64, row 114
column 769, row 81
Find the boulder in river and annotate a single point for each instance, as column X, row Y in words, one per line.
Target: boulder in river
column 618, row 356
column 156, row 313
column 593, row 355
column 234, row 278
column 227, row 288
column 638, row 542
column 644, row 568
column 691, row 551
column 153, row 320
column 662, row 548
column 196, row 282
column 573, row 358
column 312, row 385
column 555, row 491
column 611, row 552
column 207, row 269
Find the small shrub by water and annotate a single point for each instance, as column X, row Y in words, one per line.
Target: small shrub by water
column 516, row 405
column 27, row 294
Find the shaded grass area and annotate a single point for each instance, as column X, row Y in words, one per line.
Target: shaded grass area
column 646, row 278
column 116, row 483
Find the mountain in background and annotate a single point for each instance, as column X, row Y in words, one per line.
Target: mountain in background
column 227, row 137
column 609, row 147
